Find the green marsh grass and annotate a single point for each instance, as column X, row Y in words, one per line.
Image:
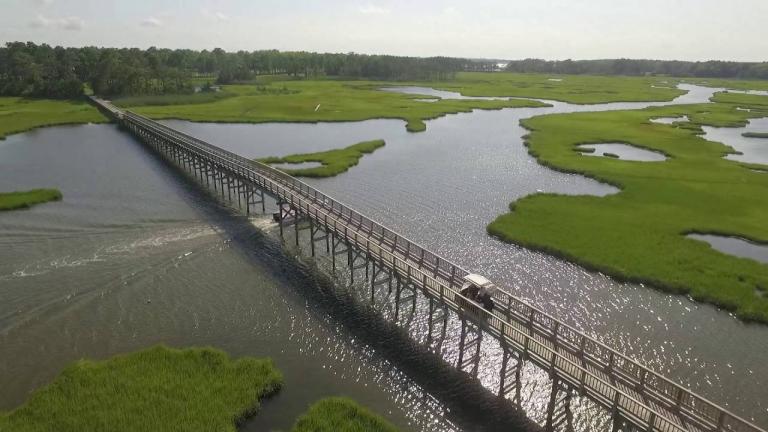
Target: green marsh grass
column 755, row 134
column 341, row 415
column 334, row 162
column 577, row 89
column 320, row 101
column 26, row 199
column 638, row 234
column 172, row 99
column 22, row 114
column 158, row 389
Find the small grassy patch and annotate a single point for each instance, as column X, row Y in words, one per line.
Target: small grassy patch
column 334, row 161
column 21, row 114
column 639, row 233
column 755, row 134
column 341, row 415
column 26, row 199
column 159, row 389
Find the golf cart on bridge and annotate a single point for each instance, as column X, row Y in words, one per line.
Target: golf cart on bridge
column 477, row 292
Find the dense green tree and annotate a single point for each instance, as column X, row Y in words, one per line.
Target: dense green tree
column 709, row 69
column 28, row 69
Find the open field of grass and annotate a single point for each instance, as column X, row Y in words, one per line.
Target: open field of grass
column 316, row 101
column 20, row 114
column 334, row 162
column 341, row 415
column 742, row 100
column 639, row 234
column 179, row 99
column 26, row 199
column 579, row 89
column 159, row 389
column 736, row 84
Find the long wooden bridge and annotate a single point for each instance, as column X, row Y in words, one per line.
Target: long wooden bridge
column 635, row 397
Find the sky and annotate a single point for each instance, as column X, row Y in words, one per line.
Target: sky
column 498, row 29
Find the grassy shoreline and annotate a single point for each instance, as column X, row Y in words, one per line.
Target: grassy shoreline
column 319, row 101
column 19, row 115
column 341, row 415
column 638, row 234
column 575, row 89
column 164, row 389
column 26, row 199
column 334, row 162
column 156, row 389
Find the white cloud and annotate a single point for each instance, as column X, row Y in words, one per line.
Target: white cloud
column 151, row 22
column 43, row 2
column 450, row 11
column 214, row 15
column 71, row 23
column 66, row 23
column 371, row 9
column 39, row 22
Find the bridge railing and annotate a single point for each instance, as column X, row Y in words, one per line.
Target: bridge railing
column 521, row 322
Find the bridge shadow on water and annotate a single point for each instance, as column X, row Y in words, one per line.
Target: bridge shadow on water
column 465, row 402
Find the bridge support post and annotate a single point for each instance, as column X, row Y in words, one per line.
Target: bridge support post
column 312, row 236
column 437, row 315
column 251, row 200
column 377, row 281
column 313, row 231
column 336, row 242
column 280, row 216
column 409, row 299
column 354, row 258
column 398, row 290
column 239, row 187
column 559, row 415
column 509, row 375
column 469, row 348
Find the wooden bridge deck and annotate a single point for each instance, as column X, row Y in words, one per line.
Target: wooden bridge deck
column 638, row 395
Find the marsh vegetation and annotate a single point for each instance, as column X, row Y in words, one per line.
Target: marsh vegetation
column 332, row 162
column 26, row 199
column 157, row 389
column 639, row 234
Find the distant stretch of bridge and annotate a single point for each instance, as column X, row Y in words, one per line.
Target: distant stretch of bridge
column 634, row 396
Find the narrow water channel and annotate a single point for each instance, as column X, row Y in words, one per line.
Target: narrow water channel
column 134, row 256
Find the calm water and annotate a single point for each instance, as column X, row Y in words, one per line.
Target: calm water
column 303, row 165
column 428, row 91
column 623, row 151
column 76, row 275
column 670, row 120
column 753, row 150
column 735, row 246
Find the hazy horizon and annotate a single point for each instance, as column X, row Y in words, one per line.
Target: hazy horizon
column 554, row 30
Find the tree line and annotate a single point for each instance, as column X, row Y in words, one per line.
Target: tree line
column 28, row 69
column 706, row 69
